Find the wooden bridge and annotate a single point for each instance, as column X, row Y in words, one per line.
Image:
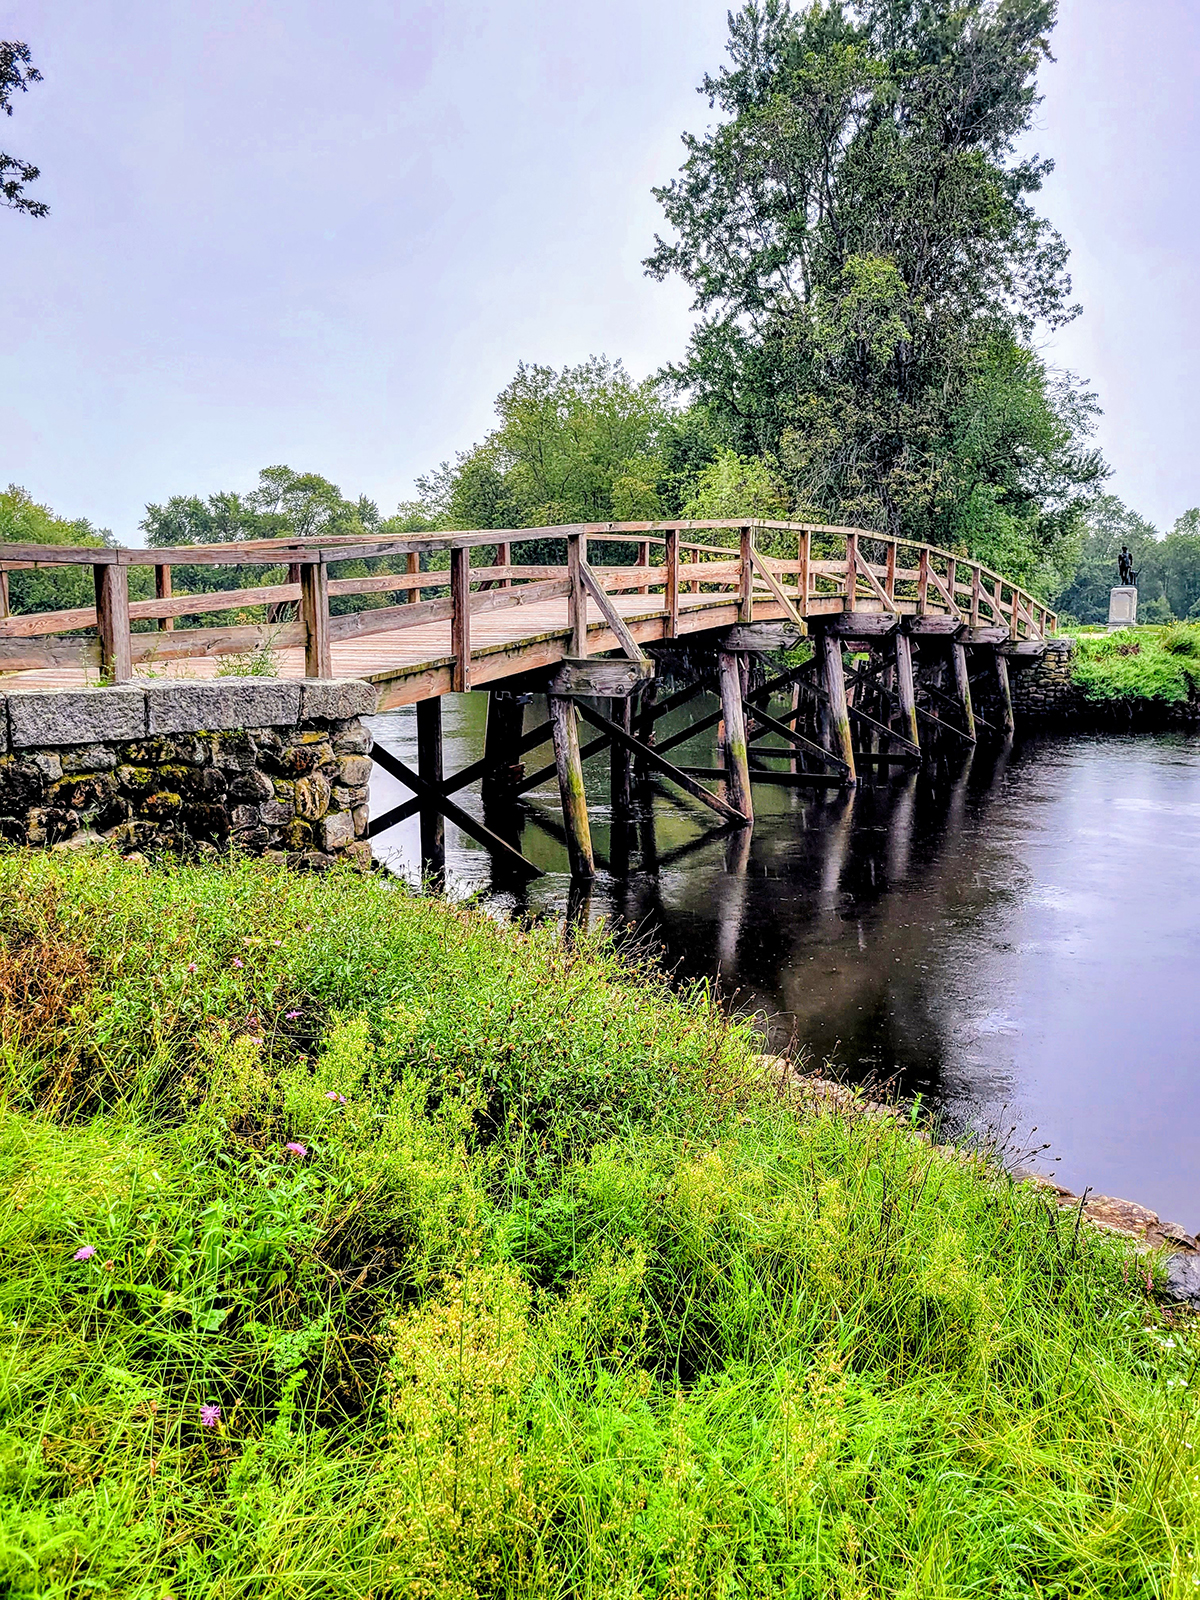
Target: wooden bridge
column 929, row 635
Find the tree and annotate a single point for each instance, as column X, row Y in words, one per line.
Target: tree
column 869, row 271
column 736, row 486
column 17, row 72
column 24, row 521
column 584, row 444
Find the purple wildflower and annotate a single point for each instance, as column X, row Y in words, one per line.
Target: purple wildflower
column 332, row 1094
column 191, row 967
column 85, row 1252
column 210, row 1416
column 292, row 1015
column 295, row 1148
column 238, row 962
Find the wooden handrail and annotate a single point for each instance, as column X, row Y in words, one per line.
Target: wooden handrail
column 942, row 582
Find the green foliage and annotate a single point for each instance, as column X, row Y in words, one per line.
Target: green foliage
column 1140, row 664
column 24, row 521
column 736, row 486
column 558, row 1299
column 1167, row 570
column 17, row 72
column 869, row 269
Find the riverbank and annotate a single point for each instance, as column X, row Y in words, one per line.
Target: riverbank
column 355, row 1243
column 1136, row 679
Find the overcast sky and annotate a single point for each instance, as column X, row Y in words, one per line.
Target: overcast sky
column 325, row 233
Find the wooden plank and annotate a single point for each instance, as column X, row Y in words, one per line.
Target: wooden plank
column 460, row 818
column 609, row 612
column 58, row 555
column 112, row 622
column 653, row 759
column 876, row 587
column 601, row 675
column 923, row 583
column 851, row 573
column 314, row 613
column 777, row 590
column 889, row 582
column 460, row 618
column 802, row 576
column 745, row 576
column 187, row 644
column 50, row 655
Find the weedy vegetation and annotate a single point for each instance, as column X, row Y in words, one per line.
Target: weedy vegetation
column 357, row 1245
column 1148, row 666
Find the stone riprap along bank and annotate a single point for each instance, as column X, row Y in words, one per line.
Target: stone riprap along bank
column 269, row 766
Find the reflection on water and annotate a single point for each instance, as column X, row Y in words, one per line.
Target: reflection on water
column 1015, row 938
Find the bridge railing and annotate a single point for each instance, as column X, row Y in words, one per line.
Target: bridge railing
column 834, row 569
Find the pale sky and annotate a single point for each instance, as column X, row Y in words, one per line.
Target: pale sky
column 325, row 233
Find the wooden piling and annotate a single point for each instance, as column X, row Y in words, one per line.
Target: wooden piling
column 737, row 764
column 429, row 767
column 314, row 609
column 840, row 744
column 621, row 769
column 962, row 685
column 905, row 688
column 1008, row 722
column 502, row 748
column 565, row 730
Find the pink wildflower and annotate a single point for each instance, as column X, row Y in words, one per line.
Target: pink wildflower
column 85, row 1252
column 1149, row 1283
column 292, row 1015
column 210, row 1416
column 295, row 1148
column 238, row 962
column 332, row 1094
column 191, row 967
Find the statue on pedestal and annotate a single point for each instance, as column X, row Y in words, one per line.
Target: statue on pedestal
column 1125, row 568
column 1122, row 602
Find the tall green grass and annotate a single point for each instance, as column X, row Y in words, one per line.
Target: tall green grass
column 560, row 1299
column 1153, row 666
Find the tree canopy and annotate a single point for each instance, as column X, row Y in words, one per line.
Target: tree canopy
column 869, row 270
column 16, row 74
column 1167, row 569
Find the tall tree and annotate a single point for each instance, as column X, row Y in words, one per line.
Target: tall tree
column 858, row 234
column 16, row 73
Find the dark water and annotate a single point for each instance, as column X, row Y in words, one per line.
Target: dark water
column 1016, row 937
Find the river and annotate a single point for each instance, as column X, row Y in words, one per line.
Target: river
column 1015, row 938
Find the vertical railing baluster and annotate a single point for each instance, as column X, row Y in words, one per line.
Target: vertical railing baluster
column 314, row 611
column 576, row 595
column 671, row 586
column 162, row 591
column 975, row 587
column 504, row 559
column 951, row 573
column 643, row 560
column 851, row 571
column 889, row 582
column 460, row 617
column 745, row 576
column 923, row 582
column 805, row 556
column 112, row 621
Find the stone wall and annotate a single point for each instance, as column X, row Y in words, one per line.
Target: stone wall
column 269, row 766
column 1046, row 691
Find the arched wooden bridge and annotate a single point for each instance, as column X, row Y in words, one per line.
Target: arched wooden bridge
column 929, row 635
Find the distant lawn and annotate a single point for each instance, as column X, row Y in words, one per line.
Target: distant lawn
column 357, row 1246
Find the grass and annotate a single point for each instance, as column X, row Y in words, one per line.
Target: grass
column 1155, row 666
column 558, row 1301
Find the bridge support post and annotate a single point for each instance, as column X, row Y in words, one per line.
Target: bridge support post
column 962, row 685
column 1008, row 722
column 501, row 748
column 905, row 688
column 840, row 742
column 567, row 760
column 429, row 767
column 737, row 762
column 621, row 770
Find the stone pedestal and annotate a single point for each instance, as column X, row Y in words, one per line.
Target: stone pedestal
column 1122, row 607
